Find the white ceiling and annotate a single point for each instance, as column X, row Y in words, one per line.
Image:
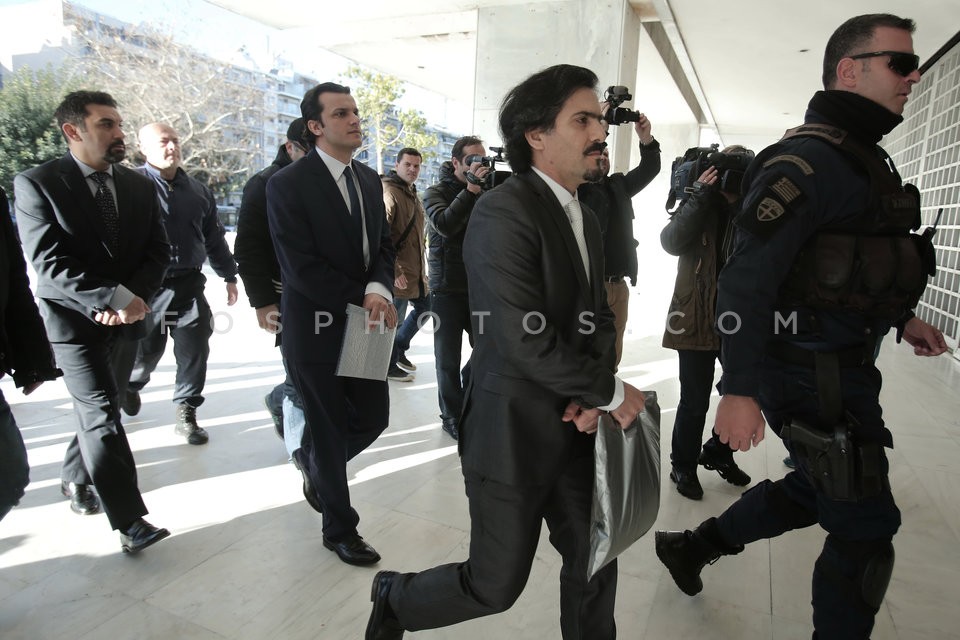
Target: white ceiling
column 754, row 63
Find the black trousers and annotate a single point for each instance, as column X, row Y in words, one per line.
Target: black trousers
column 14, row 468
column 696, row 383
column 452, row 314
column 505, row 526
column 344, row 416
column 856, row 529
column 180, row 309
column 99, row 454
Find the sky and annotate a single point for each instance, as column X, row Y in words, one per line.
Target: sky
column 244, row 42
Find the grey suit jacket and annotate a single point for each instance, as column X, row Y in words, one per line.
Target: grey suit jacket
column 543, row 335
column 64, row 237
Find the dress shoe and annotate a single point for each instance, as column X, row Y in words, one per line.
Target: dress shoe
column 140, row 535
column 276, row 414
column 450, row 428
column 353, row 550
column 688, row 485
column 383, row 623
column 718, row 457
column 187, row 425
column 308, row 493
column 131, row 402
column 405, row 364
column 83, row 501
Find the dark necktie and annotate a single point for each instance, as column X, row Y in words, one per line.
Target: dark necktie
column 355, row 211
column 107, row 207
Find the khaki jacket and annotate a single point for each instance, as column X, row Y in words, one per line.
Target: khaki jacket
column 403, row 205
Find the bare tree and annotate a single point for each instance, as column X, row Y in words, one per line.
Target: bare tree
column 217, row 109
column 386, row 125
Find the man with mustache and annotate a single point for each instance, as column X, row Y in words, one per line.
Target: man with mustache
column 180, row 307
column 543, row 364
column 92, row 229
column 823, row 264
column 609, row 198
column 330, row 230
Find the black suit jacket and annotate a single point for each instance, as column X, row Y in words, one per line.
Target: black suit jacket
column 64, row 236
column 322, row 268
column 523, row 264
column 24, row 351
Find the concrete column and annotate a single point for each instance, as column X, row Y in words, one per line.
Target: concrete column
column 515, row 41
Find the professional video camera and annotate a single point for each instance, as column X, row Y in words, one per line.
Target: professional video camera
column 691, row 165
column 492, row 178
column 614, row 97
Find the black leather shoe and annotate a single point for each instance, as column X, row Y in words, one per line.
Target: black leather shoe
column 83, row 501
column 308, row 493
column 276, row 414
column 718, row 459
column 353, row 550
column 383, row 623
column 130, row 403
column 688, row 485
column 140, row 535
column 450, row 428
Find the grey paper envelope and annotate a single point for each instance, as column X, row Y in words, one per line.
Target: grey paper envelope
column 365, row 352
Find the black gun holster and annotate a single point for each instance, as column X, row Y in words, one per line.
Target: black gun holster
column 839, row 466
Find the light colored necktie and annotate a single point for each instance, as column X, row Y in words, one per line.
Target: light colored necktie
column 575, row 215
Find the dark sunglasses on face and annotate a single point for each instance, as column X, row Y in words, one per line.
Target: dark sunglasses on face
column 901, row 63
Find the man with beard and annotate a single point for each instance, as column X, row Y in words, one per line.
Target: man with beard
column 542, row 372
column 92, row 229
column 822, row 240
column 180, row 306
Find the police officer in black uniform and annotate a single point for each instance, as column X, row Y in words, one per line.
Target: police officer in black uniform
column 823, row 263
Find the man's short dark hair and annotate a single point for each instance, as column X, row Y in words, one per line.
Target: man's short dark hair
column 73, row 109
column 463, row 143
column 311, row 108
column 853, row 35
column 407, row 151
column 534, row 105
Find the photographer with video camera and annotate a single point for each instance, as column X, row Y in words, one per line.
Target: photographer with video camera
column 609, row 198
column 449, row 204
column 699, row 232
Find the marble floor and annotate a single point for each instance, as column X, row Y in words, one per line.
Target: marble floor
column 246, row 561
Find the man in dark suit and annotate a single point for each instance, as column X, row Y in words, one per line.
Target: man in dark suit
column 542, row 364
column 25, row 355
column 332, row 239
column 260, row 272
column 92, row 230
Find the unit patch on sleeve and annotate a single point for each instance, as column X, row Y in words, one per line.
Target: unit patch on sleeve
column 770, row 206
column 797, row 161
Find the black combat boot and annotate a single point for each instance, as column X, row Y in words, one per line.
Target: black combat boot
column 718, row 457
column 187, row 425
column 686, row 553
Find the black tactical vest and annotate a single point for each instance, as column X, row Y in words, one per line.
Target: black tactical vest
column 871, row 263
